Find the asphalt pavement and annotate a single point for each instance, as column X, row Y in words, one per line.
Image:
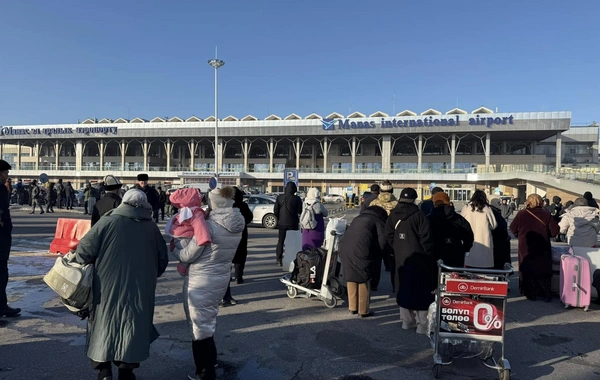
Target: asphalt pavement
column 270, row 336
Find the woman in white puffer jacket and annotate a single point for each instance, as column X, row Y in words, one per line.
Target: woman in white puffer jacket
column 581, row 224
column 208, row 276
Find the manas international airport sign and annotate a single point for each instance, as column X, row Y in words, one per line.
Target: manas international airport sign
column 330, row 124
column 10, row 131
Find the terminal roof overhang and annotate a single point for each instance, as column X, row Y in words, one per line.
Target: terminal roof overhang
column 530, row 126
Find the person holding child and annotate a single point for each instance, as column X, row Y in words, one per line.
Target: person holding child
column 208, row 268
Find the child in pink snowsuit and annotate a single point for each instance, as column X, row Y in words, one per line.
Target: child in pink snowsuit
column 188, row 223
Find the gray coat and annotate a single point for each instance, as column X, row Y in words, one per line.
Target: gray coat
column 129, row 253
column 209, row 269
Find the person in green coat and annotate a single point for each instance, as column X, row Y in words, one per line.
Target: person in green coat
column 129, row 253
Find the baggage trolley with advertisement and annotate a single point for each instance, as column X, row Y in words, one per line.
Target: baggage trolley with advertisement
column 325, row 292
column 467, row 318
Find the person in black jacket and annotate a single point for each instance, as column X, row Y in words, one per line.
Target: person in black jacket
column 287, row 210
column 110, row 200
column 151, row 194
column 427, row 205
column 360, row 249
column 408, row 232
column 500, row 237
column 452, row 233
column 590, row 198
column 6, row 228
column 239, row 260
column 69, row 196
column 162, row 201
column 60, row 194
column 50, row 198
column 556, row 208
column 374, row 195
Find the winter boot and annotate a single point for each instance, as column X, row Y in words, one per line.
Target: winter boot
column 204, row 357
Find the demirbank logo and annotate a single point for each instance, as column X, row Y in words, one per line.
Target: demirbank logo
column 328, row 124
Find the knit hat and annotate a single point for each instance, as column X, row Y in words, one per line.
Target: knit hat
column 142, row 177
column 221, row 198
column 387, row 187
column 111, row 183
column 440, row 199
column 4, row 166
column 409, row 193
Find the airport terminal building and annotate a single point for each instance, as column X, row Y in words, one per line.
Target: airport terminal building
column 458, row 150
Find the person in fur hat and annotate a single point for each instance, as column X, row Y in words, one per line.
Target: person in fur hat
column 151, row 194
column 208, row 276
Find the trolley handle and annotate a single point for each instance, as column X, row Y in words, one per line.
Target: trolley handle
column 508, row 269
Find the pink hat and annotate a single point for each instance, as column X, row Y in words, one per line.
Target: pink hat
column 188, row 197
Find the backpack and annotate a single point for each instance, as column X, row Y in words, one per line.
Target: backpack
column 73, row 283
column 307, row 218
column 309, row 268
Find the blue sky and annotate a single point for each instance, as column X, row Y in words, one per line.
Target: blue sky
column 67, row 60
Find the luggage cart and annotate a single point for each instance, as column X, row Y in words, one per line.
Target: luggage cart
column 469, row 316
column 324, row 292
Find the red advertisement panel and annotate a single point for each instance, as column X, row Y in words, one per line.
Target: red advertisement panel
column 488, row 288
column 467, row 316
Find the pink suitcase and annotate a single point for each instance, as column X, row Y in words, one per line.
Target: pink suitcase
column 575, row 281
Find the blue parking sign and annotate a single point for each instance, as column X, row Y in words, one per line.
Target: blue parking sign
column 290, row 175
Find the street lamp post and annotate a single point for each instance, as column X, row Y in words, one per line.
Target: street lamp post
column 216, row 63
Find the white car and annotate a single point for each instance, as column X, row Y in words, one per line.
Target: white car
column 333, row 198
column 262, row 207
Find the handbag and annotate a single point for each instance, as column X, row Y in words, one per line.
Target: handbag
column 73, row 283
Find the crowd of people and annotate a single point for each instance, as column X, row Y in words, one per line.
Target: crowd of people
column 415, row 237
column 208, row 234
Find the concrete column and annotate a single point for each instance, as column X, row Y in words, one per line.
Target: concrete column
column 298, row 148
column 533, row 147
column 271, row 154
column 180, row 157
column 420, row 154
column 18, row 162
column 245, row 152
column 101, row 154
column 504, row 147
column 123, row 151
column 353, row 152
column 57, row 146
column 386, row 154
column 487, row 152
column 192, row 147
column 453, row 153
column 219, row 155
column 36, row 153
column 145, row 153
column 325, row 154
column 78, row 155
column 168, row 151
column 1, row 150
column 313, row 156
column 558, row 151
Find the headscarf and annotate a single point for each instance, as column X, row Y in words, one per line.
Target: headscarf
column 313, row 195
column 136, row 198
